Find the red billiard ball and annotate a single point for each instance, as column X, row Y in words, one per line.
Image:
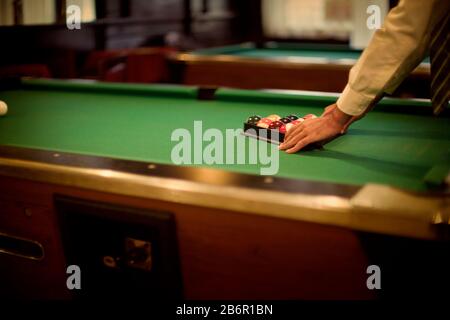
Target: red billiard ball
column 283, row 129
column 275, row 124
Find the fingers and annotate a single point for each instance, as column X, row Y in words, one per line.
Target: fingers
column 322, row 130
column 292, row 142
column 293, row 132
column 288, row 133
column 300, row 145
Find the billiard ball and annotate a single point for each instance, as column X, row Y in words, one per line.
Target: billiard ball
column 3, row 108
column 275, row 124
column 283, row 129
column 285, row 120
column 292, row 117
column 264, row 123
column 253, row 119
column 309, row 116
column 274, row 117
column 288, row 126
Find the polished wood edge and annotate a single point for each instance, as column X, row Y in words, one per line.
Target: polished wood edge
column 300, row 63
column 373, row 208
column 292, row 63
column 211, row 176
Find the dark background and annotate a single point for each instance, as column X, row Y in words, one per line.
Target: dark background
column 124, row 24
column 130, row 24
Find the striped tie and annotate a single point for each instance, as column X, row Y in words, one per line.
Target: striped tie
column 440, row 65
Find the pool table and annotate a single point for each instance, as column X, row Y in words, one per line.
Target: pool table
column 85, row 165
column 297, row 66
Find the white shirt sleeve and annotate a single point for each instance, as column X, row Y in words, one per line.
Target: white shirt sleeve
column 394, row 51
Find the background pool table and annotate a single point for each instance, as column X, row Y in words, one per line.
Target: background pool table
column 225, row 231
column 297, row 66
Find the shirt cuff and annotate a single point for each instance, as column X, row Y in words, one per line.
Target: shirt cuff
column 352, row 102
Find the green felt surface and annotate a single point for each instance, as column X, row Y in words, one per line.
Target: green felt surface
column 274, row 53
column 286, row 50
column 328, row 52
column 397, row 144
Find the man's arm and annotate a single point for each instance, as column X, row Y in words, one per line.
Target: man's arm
column 394, row 51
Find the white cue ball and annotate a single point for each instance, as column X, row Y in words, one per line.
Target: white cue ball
column 3, row 108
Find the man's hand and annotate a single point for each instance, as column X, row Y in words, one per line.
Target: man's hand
column 331, row 123
column 352, row 119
